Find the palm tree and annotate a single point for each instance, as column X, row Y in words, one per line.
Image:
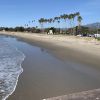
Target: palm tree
column 64, row 16
column 79, row 19
column 25, row 25
column 59, row 25
column 77, row 14
column 53, row 21
column 50, row 20
column 59, row 22
column 42, row 21
column 73, row 27
column 57, row 19
column 70, row 17
column 33, row 21
column 29, row 23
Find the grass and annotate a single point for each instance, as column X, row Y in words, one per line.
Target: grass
column 98, row 38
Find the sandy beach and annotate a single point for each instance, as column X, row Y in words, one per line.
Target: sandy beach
column 57, row 45
column 77, row 49
column 84, row 44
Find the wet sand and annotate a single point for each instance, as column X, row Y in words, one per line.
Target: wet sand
column 27, row 89
column 83, row 50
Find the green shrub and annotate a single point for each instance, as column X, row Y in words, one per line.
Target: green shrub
column 98, row 38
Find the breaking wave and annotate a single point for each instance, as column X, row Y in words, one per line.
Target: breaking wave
column 10, row 68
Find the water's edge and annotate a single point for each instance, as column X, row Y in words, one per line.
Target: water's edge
column 17, row 77
column 10, row 68
column 80, row 70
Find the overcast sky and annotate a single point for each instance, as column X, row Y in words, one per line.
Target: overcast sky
column 18, row 12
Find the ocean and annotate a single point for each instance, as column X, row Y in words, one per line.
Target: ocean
column 10, row 68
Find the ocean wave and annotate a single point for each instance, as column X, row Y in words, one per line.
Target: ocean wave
column 10, row 68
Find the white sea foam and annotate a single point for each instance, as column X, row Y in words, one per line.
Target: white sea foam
column 10, row 68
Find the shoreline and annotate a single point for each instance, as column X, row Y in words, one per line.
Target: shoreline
column 72, row 42
column 57, row 48
column 6, row 88
column 57, row 45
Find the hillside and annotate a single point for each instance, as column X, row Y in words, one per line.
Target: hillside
column 93, row 25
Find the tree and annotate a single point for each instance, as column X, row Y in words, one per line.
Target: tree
column 77, row 14
column 70, row 17
column 19, row 29
column 50, row 20
column 79, row 19
column 57, row 19
column 73, row 27
column 41, row 21
column 64, row 17
column 33, row 21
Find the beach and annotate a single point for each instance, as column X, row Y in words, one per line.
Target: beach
column 78, row 46
column 77, row 50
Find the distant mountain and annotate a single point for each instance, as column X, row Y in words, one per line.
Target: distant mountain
column 93, row 25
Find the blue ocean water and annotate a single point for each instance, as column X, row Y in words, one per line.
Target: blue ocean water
column 10, row 68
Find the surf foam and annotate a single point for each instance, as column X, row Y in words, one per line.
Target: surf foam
column 10, row 68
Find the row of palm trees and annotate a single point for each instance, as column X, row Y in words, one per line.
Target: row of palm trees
column 29, row 23
column 67, row 18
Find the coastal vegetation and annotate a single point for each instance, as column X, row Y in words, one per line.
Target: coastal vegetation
column 64, row 18
column 72, row 25
column 98, row 38
column 84, row 31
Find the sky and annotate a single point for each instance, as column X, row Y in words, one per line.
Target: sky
column 19, row 12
